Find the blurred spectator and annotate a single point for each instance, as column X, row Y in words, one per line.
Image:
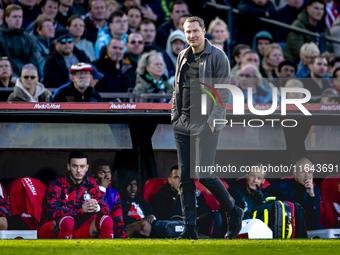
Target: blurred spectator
column 134, row 47
column 237, row 53
column 137, row 212
column 219, row 31
column 58, row 64
column 96, row 76
column 248, row 25
column 28, row 88
column 111, row 6
column 5, row 73
column 96, row 19
column 17, row 45
column 48, row 8
column 335, row 32
column 179, row 8
column 150, row 76
column 79, row 89
column 286, row 70
column 318, row 71
column 273, row 56
column 332, row 12
column 116, row 67
column 76, row 26
column 182, row 20
column 301, row 190
column 311, row 20
column 175, row 44
column 307, row 52
column 217, row 44
column 330, row 96
column 250, row 77
column 294, row 83
column 167, row 203
column 148, row 30
column 2, row 12
column 30, row 12
column 288, row 14
column 134, row 16
column 148, row 13
column 65, row 11
column 333, row 64
column 44, row 32
column 278, row 4
column 101, row 172
column 336, row 79
column 80, row 7
column 260, row 42
column 248, row 192
column 118, row 27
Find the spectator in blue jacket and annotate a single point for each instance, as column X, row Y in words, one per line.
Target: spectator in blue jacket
column 300, row 189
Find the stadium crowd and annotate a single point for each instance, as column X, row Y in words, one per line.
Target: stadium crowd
column 133, row 46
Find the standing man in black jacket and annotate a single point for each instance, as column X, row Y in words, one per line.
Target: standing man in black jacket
column 167, row 203
column 195, row 133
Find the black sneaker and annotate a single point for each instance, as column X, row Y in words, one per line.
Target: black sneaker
column 234, row 222
column 189, row 232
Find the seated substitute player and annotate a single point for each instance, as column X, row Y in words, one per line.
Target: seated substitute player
column 137, row 212
column 74, row 206
column 101, row 172
column 167, row 203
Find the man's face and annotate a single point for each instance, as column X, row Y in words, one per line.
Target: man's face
column 47, row 30
column 81, row 80
column 255, row 178
column 14, row 21
column 149, row 32
column 319, row 68
column 64, row 47
column 177, row 11
column 77, row 168
column 131, row 189
column 295, row 3
column 302, row 174
column 316, row 11
column 116, row 49
column 98, row 10
column 287, row 72
column 247, row 78
column 262, row 45
column 177, row 46
column 174, row 180
column 66, row 3
column 119, row 25
column 194, row 34
column 50, row 9
column 5, row 69
column 135, row 44
column 29, row 78
column 29, row 4
column 251, row 58
column 260, row 2
column 103, row 172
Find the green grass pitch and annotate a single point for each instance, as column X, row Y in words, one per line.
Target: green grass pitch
column 167, row 246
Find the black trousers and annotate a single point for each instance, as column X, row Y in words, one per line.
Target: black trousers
column 210, row 224
column 196, row 146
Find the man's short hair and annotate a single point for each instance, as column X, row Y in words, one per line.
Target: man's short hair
column 43, row 3
column 127, row 39
column 310, row 2
column 196, row 19
column 248, row 52
column 38, row 23
column 92, row 1
column 177, row 2
column 114, row 38
column 316, row 57
column 175, row 167
column 97, row 163
column 118, row 14
column 308, row 48
column 287, row 63
column 29, row 67
column 12, row 7
column 76, row 154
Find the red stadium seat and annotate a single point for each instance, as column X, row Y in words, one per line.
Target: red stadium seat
column 330, row 193
column 26, row 196
column 152, row 186
column 264, row 185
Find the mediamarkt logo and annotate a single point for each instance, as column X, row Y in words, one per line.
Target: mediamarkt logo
column 238, row 105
